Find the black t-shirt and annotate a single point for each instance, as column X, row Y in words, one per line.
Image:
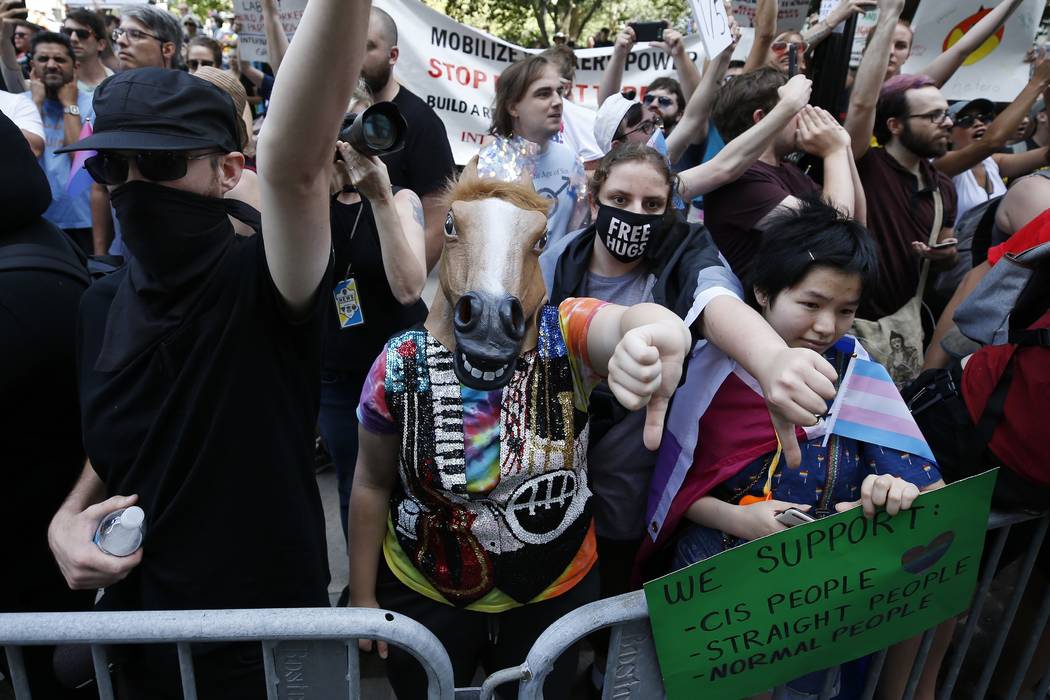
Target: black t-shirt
column 425, row 164
column 352, row 350
column 213, row 428
column 40, row 432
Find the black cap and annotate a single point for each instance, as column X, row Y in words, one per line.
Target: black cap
column 159, row 109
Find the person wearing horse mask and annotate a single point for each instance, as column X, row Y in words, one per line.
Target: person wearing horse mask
column 200, row 361
column 639, row 250
column 470, row 510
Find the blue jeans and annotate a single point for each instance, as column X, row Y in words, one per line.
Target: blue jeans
column 337, row 421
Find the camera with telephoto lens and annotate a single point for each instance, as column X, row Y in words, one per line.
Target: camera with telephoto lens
column 377, row 131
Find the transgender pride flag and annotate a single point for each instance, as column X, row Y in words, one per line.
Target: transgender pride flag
column 869, row 408
column 79, row 179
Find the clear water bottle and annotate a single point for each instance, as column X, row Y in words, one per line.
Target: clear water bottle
column 120, row 532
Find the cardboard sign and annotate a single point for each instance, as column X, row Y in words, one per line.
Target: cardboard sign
column 996, row 70
column 713, row 23
column 454, row 69
column 252, row 34
column 817, row 595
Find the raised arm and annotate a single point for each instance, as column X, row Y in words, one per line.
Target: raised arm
column 692, row 127
column 860, row 119
column 944, row 66
column 765, row 32
column 843, row 11
column 276, row 39
column 9, row 68
column 295, row 146
column 1000, row 130
column 740, row 153
column 613, row 75
column 688, row 73
column 399, row 223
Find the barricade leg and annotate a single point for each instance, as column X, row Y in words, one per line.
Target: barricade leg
column 101, row 660
column 189, row 684
column 16, row 665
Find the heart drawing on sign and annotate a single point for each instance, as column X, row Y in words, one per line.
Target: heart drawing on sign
column 918, row 559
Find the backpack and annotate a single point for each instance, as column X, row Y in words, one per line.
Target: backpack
column 74, row 264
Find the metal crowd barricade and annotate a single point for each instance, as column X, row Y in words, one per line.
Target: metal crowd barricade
column 307, row 652
column 632, row 670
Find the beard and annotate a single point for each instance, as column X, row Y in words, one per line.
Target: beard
column 924, row 148
column 377, row 79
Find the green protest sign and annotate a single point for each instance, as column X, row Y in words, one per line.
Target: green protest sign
column 818, row 594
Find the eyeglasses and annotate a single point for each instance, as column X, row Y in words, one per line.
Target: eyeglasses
column 937, row 117
column 134, row 34
column 194, row 64
column 664, row 101
column 82, row 34
column 647, row 127
column 109, row 168
column 968, row 120
column 780, row 47
column 21, row 35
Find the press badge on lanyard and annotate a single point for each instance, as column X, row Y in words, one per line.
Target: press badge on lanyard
column 348, row 304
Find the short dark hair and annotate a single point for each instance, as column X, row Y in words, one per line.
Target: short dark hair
column 208, row 43
column 815, row 234
column 511, row 88
column 672, row 86
column 893, row 102
column 52, row 38
column 564, row 59
column 738, row 99
column 89, row 19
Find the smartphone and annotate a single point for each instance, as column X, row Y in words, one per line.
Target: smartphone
column 793, row 516
column 944, row 244
column 792, row 60
column 648, row 31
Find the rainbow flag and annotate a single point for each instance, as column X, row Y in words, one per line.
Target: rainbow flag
column 79, row 179
column 869, row 408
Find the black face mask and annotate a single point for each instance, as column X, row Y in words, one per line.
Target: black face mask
column 625, row 234
column 172, row 234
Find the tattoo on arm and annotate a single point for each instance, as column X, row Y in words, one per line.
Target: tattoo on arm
column 417, row 211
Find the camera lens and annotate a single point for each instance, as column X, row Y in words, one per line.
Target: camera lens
column 379, row 131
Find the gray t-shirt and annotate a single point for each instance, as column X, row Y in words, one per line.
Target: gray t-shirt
column 618, row 464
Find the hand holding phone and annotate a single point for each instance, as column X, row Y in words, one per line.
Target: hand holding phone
column 648, row 31
column 946, row 243
column 792, row 517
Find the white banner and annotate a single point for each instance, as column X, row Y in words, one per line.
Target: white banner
column 251, row 37
column 996, row 70
column 454, row 69
column 791, row 14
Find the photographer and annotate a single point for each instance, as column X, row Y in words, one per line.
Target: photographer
column 378, row 239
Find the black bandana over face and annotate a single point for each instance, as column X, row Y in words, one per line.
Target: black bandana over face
column 626, row 234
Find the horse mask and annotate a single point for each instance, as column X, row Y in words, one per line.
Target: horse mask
column 491, row 285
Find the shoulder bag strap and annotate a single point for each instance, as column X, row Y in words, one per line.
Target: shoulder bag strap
column 935, row 232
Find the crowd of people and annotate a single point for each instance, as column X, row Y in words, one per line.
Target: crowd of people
column 644, row 313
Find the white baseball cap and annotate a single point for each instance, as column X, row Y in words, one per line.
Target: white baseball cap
column 610, row 114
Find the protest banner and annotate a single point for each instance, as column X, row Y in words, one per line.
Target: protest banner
column 817, row 595
column 791, row 14
column 713, row 23
column 996, row 70
column 454, row 69
column 251, row 35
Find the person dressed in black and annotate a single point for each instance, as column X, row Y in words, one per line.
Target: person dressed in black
column 378, row 239
column 200, row 361
column 41, row 280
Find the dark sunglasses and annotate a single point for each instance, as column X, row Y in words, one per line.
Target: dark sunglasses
column 968, row 120
column 194, row 63
column 664, row 101
column 109, row 168
column 82, row 34
column 647, row 127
